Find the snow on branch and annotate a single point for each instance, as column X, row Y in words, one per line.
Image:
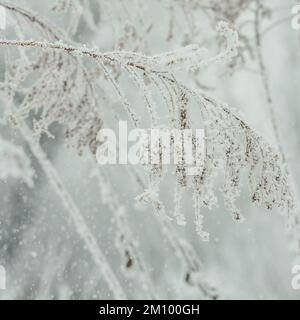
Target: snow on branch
column 193, row 57
column 127, row 246
column 228, row 137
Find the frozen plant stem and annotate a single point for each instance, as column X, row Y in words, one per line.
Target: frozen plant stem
column 127, row 244
column 183, row 250
column 32, row 18
column 263, row 72
column 274, row 122
column 74, row 213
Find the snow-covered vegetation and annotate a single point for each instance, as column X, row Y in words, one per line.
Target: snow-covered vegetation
column 71, row 228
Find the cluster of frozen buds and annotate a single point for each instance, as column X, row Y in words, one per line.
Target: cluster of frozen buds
column 68, row 98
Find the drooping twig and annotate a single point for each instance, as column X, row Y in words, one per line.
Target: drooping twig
column 295, row 213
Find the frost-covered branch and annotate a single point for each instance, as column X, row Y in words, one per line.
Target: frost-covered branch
column 63, row 84
column 229, row 138
column 294, row 216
